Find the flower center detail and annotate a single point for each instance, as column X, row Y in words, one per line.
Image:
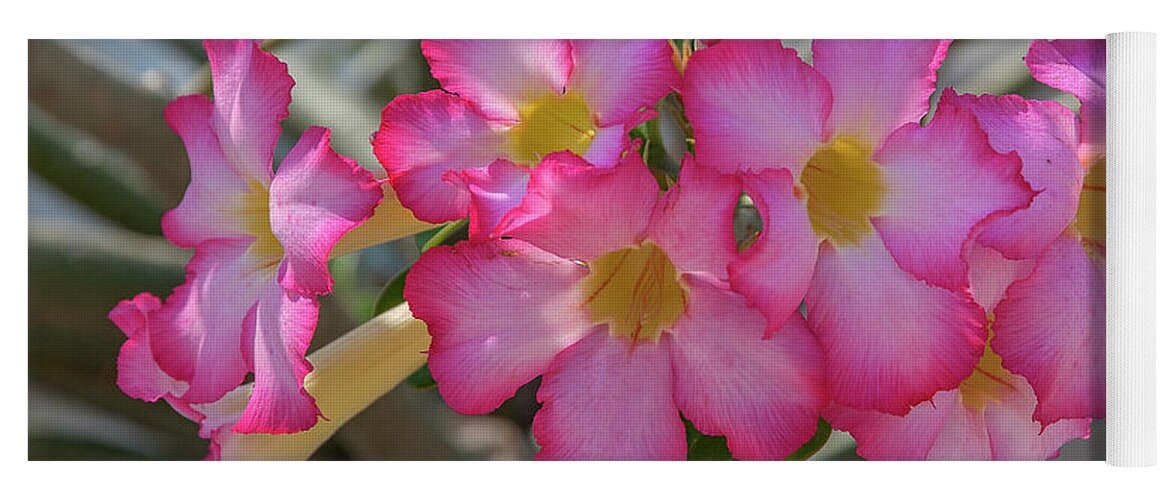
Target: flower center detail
column 550, row 124
column 636, row 291
column 253, row 209
column 988, row 381
column 845, row 188
column 1091, row 211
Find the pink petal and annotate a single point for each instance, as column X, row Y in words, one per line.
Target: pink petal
column 1077, row 67
column 1051, row 328
column 498, row 311
column 1044, row 134
column 1013, row 435
column 939, row 429
column 703, row 198
column 991, row 273
column 878, row 85
column 280, row 327
column 139, row 375
column 494, row 191
column 943, row 180
column 252, row 91
column 774, row 273
column 209, row 209
column 579, row 211
column 316, row 198
column 605, row 399
column 617, row 77
column 199, row 335
column 755, row 105
column 891, row 340
column 424, row 136
column 764, row 395
column 500, row 76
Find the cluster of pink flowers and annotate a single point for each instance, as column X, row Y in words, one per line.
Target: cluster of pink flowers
column 951, row 273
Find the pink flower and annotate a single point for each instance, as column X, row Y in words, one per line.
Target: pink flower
column 603, row 287
column 517, row 100
column 1042, row 374
column 892, row 203
column 261, row 245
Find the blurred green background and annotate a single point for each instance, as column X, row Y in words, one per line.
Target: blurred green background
column 104, row 167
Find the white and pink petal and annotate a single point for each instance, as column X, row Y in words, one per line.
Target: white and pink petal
column 500, row 77
column 1044, row 134
column 498, row 311
column 252, row 91
column 316, row 197
column 764, row 395
column 891, row 340
column 581, row 211
column 702, row 198
column 878, row 85
column 943, row 180
column 425, row 137
column 755, row 105
column 200, row 331
column 606, row 399
column 774, row 273
column 216, row 203
column 617, row 78
column 277, row 332
column 1051, row 328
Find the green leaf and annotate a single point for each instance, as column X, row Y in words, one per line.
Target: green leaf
column 422, row 238
column 391, row 295
column 447, row 234
column 702, row 447
column 814, row 445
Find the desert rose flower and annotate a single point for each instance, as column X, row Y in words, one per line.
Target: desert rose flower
column 517, row 100
column 891, row 202
column 993, row 414
column 601, row 285
column 261, row 241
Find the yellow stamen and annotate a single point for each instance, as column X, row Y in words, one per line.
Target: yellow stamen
column 845, row 188
column 349, row 374
column 636, row 291
column 1091, row 211
column 252, row 208
column 988, row 383
column 550, row 124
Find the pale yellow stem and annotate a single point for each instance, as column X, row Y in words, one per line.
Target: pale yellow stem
column 390, row 222
column 349, row 374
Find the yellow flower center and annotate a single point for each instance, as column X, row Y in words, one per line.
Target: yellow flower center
column 989, row 380
column 1091, row 211
column 636, row 291
column 844, row 188
column 550, row 124
column 252, row 207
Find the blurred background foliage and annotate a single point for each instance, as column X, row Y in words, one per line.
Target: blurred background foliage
column 104, row 167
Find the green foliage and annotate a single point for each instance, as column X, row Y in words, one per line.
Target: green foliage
column 702, row 447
